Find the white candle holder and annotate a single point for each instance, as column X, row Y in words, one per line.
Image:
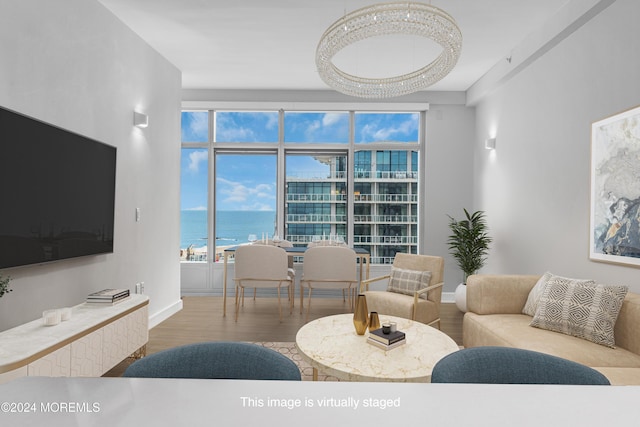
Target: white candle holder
column 65, row 314
column 51, row 317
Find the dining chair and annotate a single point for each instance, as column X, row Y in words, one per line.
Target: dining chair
column 282, row 243
column 216, row 360
column 287, row 244
column 414, row 289
column 506, row 365
column 329, row 242
column 328, row 267
column 262, row 266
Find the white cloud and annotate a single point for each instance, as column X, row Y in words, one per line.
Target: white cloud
column 312, row 128
column 195, row 158
column 245, row 126
column 389, row 133
column 199, row 124
column 245, row 197
column 272, row 122
column 236, row 134
column 197, row 208
column 331, row 119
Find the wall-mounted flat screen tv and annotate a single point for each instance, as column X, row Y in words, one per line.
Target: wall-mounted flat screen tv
column 57, row 193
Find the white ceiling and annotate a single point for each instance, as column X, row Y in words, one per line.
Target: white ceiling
column 270, row 44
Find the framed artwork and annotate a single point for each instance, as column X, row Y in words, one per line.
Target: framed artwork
column 615, row 189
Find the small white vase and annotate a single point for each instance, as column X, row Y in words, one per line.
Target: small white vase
column 461, row 297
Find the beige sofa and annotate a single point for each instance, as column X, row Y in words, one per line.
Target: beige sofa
column 495, row 318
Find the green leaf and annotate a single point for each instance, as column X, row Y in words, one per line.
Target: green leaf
column 4, row 285
column 469, row 241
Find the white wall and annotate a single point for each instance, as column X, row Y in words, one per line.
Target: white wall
column 73, row 64
column 449, row 181
column 535, row 185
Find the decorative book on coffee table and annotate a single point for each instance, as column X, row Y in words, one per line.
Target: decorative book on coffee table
column 387, row 339
column 385, row 346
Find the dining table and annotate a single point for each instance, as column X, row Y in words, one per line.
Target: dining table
column 362, row 255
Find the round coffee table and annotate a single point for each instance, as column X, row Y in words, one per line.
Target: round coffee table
column 331, row 345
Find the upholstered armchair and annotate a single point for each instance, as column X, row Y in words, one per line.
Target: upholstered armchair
column 506, row 365
column 221, row 360
column 414, row 289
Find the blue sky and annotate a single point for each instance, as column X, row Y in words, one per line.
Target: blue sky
column 248, row 182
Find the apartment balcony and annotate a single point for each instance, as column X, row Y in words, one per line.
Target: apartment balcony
column 386, row 176
column 385, row 219
column 304, row 239
column 317, row 218
column 339, row 176
column 385, row 198
column 384, row 240
column 330, row 198
column 299, row 239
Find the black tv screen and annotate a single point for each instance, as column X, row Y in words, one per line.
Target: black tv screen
column 57, row 193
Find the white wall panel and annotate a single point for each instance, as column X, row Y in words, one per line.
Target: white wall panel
column 535, row 186
column 73, row 64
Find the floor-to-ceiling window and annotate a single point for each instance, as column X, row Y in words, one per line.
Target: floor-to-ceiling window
column 194, row 186
column 300, row 175
column 245, row 198
column 386, row 179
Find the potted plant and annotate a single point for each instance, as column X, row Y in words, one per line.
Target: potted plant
column 4, row 285
column 469, row 244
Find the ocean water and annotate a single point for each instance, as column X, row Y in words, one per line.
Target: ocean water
column 233, row 227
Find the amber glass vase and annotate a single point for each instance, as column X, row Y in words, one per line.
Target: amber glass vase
column 361, row 315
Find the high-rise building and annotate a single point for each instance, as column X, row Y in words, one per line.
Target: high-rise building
column 384, row 198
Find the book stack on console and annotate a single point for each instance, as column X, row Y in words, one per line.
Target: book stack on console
column 386, row 341
column 108, row 296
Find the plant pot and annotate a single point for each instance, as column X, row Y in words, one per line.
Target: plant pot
column 461, row 297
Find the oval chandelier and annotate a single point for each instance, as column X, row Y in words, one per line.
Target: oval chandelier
column 415, row 19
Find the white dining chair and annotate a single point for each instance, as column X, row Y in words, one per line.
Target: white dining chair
column 262, row 266
column 282, row 243
column 328, row 267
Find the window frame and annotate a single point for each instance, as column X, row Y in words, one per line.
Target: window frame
column 282, row 149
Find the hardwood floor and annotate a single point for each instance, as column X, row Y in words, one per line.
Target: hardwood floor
column 201, row 320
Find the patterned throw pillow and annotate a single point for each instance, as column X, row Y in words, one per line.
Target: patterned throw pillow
column 408, row 281
column 531, row 305
column 587, row 311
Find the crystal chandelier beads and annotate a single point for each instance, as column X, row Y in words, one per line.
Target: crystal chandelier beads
column 414, row 19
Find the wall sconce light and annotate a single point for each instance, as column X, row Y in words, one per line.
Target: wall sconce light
column 490, row 144
column 140, row 120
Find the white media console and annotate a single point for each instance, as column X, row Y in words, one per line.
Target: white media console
column 93, row 341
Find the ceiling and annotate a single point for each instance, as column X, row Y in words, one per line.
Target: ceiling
column 258, row 44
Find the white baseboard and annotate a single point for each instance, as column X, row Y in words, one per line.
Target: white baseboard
column 159, row 317
column 448, row 297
